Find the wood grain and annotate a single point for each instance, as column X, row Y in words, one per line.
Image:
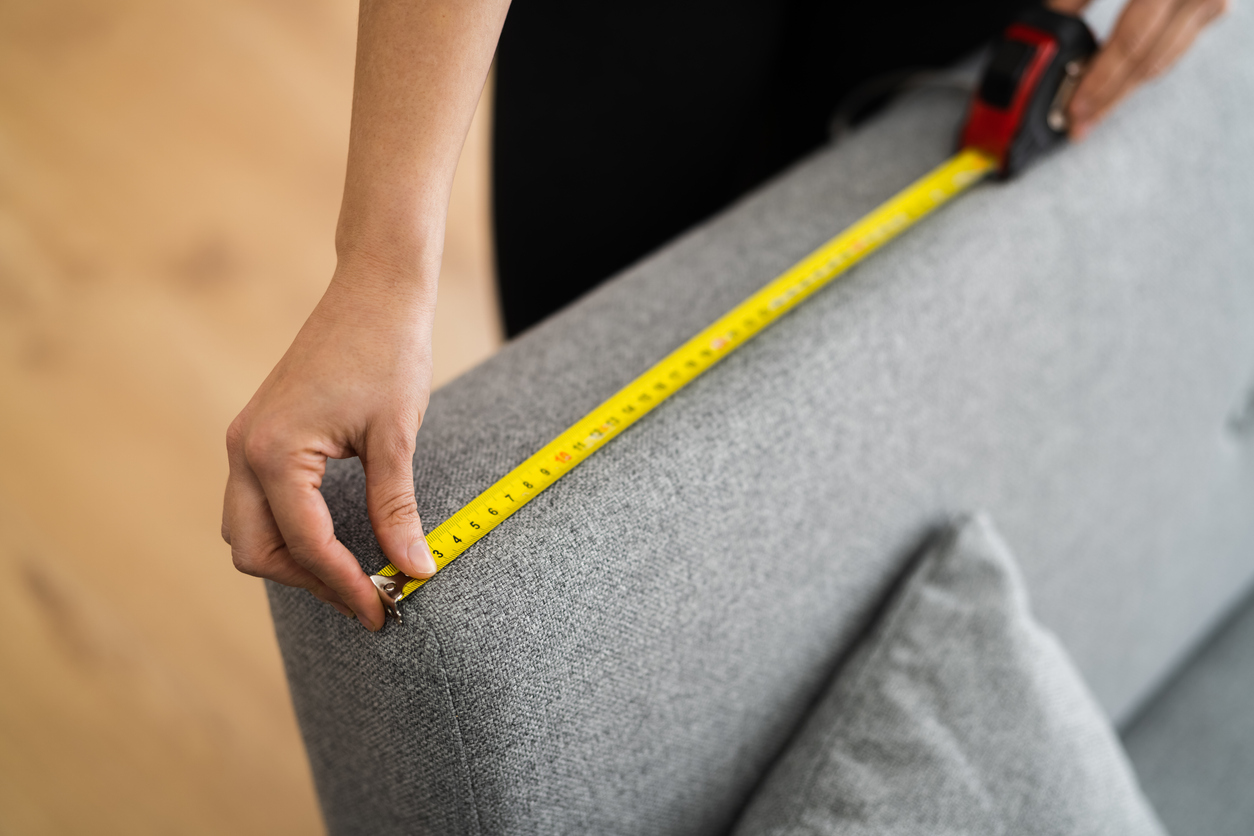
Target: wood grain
column 169, row 181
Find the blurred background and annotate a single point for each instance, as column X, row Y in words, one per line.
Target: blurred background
column 170, row 177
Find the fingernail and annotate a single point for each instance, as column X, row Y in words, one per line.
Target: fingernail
column 420, row 557
column 368, row 624
column 1080, row 131
column 1081, row 107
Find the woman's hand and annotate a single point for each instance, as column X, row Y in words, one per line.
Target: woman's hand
column 355, row 382
column 1148, row 38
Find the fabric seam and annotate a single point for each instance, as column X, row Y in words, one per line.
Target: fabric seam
column 457, row 729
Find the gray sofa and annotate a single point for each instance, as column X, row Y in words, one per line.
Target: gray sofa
column 1072, row 352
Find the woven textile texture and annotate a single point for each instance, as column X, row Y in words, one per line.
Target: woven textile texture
column 629, row 652
column 958, row 713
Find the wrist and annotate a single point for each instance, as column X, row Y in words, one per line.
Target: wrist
column 390, row 228
column 400, row 261
column 384, row 284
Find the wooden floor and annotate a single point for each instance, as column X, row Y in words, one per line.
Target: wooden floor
column 169, row 181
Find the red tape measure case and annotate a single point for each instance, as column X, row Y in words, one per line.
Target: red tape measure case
column 1019, row 110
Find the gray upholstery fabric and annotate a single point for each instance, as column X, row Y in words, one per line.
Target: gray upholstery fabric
column 958, row 714
column 629, row 652
column 1193, row 745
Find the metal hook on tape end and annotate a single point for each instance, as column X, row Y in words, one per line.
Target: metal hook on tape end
column 1073, row 74
column 391, row 589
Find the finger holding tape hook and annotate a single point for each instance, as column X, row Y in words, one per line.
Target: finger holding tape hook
column 391, row 591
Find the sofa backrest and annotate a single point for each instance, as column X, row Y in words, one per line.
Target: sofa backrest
column 1070, row 351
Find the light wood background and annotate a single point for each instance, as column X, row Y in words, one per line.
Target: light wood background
column 169, row 180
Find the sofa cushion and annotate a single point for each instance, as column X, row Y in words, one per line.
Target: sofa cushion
column 958, row 713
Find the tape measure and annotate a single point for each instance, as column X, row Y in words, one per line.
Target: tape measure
column 1014, row 101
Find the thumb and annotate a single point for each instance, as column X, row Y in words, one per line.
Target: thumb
column 392, row 506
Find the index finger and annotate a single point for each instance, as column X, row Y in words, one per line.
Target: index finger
column 291, row 487
column 257, row 546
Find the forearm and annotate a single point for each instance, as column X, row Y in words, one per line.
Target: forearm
column 421, row 65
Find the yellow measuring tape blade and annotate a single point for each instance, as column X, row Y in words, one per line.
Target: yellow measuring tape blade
column 635, row 400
